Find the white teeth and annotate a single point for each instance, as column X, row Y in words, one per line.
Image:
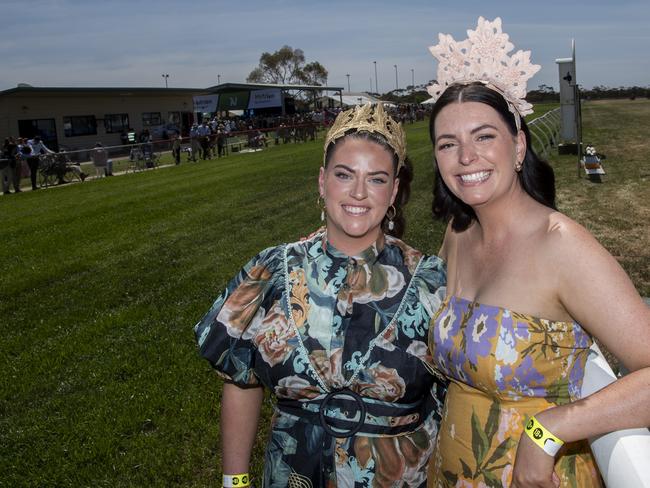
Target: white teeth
column 356, row 210
column 475, row 177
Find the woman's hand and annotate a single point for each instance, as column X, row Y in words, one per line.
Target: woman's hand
column 533, row 467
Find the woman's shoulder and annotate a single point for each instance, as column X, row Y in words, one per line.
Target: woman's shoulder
column 266, row 263
column 573, row 250
column 562, row 235
column 427, row 265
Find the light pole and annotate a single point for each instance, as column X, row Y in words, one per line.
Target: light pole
column 396, row 83
column 348, row 75
column 166, row 76
column 413, row 86
column 218, row 79
column 376, row 86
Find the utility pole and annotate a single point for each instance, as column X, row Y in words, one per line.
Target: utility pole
column 166, row 76
column 413, row 86
column 348, row 75
column 396, row 83
column 376, row 85
column 218, row 79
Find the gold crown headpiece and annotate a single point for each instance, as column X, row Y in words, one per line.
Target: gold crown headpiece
column 369, row 118
column 483, row 57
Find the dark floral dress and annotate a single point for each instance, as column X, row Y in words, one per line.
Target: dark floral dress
column 341, row 344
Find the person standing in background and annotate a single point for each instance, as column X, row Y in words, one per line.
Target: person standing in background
column 33, row 159
column 204, row 139
column 10, row 172
column 195, row 146
column 176, row 148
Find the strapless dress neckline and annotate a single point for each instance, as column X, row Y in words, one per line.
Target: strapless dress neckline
column 457, row 298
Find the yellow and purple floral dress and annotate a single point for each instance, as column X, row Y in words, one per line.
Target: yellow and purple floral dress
column 341, row 344
column 504, row 367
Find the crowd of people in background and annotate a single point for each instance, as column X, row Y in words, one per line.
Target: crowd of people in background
column 213, row 137
column 20, row 157
column 210, row 137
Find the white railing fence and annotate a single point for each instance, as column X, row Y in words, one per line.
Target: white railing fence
column 544, row 131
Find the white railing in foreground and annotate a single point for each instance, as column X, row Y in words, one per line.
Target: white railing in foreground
column 622, row 456
column 544, row 131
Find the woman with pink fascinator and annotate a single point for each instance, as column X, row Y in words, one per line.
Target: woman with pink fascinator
column 528, row 289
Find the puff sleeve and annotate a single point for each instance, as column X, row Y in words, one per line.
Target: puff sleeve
column 225, row 334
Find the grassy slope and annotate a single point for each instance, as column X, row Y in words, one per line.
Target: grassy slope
column 100, row 382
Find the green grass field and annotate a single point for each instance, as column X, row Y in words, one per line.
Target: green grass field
column 100, row 380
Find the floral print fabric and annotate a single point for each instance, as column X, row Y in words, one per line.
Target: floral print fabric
column 505, row 367
column 303, row 320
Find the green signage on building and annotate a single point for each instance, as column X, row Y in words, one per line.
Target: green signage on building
column 234, row 100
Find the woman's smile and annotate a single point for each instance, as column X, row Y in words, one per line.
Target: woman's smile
column 476, row 178
column 355, row 210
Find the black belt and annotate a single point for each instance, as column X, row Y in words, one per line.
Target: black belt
column 359, row 414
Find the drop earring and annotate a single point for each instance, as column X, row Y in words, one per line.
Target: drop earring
column 391, row 224
column 320, row 202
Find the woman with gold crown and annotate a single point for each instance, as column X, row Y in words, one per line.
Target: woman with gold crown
column 335, row 327
column 527, row 290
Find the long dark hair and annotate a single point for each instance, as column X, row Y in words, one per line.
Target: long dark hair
column 536, row 176
column 405, row 176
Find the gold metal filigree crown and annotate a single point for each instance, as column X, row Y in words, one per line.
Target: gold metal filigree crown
column 369, row 118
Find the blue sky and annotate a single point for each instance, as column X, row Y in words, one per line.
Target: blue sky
column 132, row 43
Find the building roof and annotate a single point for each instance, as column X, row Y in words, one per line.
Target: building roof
column 225, row 87
column 356, row 98
column 123, row 90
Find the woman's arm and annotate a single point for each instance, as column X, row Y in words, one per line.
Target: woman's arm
column 240, row 413
column 597, row 293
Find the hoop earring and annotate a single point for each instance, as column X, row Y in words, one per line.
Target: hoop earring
column 320, row 203
column 391, row 224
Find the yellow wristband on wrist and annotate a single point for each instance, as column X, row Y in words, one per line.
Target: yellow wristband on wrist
column 236, row 480
column 543, row 437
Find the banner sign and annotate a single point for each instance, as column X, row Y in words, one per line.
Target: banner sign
column 234, row 101
column 205, row 103
column 270, row 97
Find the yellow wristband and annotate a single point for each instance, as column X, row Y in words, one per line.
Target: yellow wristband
column 543, row 437
column 236, row 480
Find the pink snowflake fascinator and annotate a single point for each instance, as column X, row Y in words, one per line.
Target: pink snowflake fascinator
column 483, row 57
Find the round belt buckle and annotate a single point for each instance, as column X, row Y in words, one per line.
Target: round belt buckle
column 342, row 393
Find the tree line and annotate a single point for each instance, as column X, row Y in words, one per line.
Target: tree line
column 545, row 93
column 289, row 66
